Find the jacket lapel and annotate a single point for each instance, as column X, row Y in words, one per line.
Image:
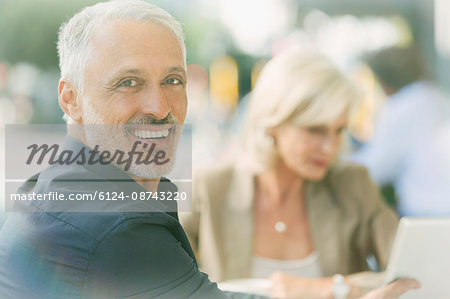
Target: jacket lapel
column 237, row 223
column 324, row 219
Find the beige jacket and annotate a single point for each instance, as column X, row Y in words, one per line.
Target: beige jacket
column 348, row 220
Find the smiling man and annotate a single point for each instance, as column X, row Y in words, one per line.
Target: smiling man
column 135, row 84
column 122, row 88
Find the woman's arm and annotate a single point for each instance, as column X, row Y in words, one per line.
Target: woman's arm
column 376, row 233
column 288, row 286
column 380, row 222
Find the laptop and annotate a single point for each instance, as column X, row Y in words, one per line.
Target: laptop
column 422, row 251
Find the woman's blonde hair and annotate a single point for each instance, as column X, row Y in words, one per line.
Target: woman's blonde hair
column 301, row 87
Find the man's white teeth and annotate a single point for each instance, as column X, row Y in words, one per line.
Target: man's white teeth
column 151, row 134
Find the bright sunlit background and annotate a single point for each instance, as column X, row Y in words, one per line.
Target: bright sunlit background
column 228, row 43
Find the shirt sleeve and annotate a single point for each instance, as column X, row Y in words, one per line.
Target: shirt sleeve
column 380, row 221
column 376, row 232
column 146, row 261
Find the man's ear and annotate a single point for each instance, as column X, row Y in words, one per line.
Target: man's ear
column 69, row 101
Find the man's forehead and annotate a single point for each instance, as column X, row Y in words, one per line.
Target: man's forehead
column 133, row 45
column 135, row 37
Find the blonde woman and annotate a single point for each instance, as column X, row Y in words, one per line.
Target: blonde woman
column 286, row 204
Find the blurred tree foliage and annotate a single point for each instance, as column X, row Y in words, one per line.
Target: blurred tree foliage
column 28, row 29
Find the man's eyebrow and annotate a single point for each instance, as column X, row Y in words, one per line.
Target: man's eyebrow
column 177, row 69
column 122, row 72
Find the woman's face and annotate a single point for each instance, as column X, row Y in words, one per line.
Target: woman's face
column 309, row 151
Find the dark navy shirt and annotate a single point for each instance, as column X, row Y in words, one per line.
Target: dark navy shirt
column 96, row 254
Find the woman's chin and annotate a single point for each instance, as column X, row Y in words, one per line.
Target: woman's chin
column 316, row 175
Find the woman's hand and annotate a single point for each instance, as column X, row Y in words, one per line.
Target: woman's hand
column 393, row 290
column 289, row 286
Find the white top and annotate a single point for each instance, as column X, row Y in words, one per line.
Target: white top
column 307, row 267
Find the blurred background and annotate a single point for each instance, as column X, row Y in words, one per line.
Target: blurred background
column 228, row 42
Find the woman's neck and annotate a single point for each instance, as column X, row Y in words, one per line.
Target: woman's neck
column 280, row 184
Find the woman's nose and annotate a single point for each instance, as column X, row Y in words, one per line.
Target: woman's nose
column 330, row 143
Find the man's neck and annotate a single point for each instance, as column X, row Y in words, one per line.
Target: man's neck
column 151, row 185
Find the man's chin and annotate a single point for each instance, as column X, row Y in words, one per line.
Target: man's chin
column 151, row 171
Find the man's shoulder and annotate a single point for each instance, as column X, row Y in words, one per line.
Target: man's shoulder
column 101, row 225
column 94, row 219
column 86, row 227
column 61, row 247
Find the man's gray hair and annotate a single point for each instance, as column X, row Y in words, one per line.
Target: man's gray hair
column 74, row 36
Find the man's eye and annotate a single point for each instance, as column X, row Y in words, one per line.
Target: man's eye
column 174, row 81
column 128, row 83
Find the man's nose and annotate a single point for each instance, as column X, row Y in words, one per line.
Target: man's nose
column 155, row 103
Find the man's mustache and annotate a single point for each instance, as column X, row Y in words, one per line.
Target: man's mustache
column 149, row 120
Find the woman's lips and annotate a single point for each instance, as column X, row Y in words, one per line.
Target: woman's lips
column 320, row 163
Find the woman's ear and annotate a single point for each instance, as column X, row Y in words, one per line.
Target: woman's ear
column 270, row 131
column 270, row 135
column 69, row 101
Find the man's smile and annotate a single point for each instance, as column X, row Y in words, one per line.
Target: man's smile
column 146, row 134
column 162, row 135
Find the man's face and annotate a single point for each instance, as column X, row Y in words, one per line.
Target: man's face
column 136, row 81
